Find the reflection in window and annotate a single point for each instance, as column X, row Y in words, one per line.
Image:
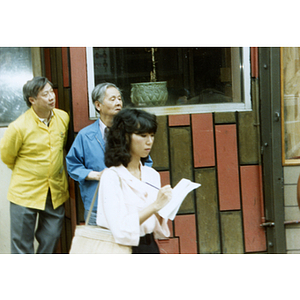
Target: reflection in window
column 175, row 76
column 291, row 99
column 15, row 70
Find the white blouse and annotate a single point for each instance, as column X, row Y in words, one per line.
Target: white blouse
column 120, row 198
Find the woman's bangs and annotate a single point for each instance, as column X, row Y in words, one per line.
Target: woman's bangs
column 146, row 126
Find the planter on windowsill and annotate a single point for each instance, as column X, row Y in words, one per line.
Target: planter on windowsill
column 149, row 93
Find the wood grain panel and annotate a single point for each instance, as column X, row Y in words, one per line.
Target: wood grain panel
column 248, row 138
column 160, row 150
column 181, row 162
column 207, row 211
column 232, row 232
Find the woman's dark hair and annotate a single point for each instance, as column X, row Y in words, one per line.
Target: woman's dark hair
column 118, row 138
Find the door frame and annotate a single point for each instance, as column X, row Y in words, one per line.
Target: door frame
column 271, row 150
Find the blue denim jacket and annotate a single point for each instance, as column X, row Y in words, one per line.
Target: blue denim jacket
column 85, row 155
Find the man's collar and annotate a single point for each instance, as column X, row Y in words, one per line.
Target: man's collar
column 102, row 128
column 46, row 121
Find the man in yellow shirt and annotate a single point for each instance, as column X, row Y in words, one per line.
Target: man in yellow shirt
column 32, row 147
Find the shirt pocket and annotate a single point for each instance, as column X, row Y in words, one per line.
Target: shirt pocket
column 58, row 139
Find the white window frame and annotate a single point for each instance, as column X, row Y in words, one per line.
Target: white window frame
column 185, row 109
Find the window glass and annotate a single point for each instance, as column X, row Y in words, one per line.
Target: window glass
column 290, row 61
column 156, row 78
column 15, row 70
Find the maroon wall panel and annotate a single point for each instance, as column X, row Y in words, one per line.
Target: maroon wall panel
column 56, row 96
column 169, row 246
column 164, row 177
column 254, row 61
column 47, row 63
column 185, row 229
column 179, row 120
column 65, row 64
column 72, row 204
column 254, row 235
column 79, row 88
column 203, row 140
column 228, row 170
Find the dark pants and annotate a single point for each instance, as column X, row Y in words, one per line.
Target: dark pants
column 23, row 227
column 147, row 245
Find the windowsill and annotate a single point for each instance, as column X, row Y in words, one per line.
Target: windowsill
column 196, row 109
column 192, row 109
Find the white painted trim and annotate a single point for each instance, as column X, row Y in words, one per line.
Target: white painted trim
column 91, row 81
column 184, row 109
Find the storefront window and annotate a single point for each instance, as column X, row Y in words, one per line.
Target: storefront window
column 290, row 73
column 174, row 80
column 15, row 70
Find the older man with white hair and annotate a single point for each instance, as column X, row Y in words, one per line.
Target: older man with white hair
column 85, row 160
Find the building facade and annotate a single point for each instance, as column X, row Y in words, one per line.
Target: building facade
column 225, row 124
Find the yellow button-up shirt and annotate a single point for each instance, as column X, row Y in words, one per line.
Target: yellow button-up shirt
column 34, row 153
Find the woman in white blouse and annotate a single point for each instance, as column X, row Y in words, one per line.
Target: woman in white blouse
column 130, row 194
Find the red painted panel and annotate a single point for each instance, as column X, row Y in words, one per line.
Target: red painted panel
column 251, row 186
column 228, row 171
column 179, row 120
column 79, row 88
column 56, row 96
column 254, row 61
column 170, row 224
column 65, row 65
column 47, row 63
column 169, row 246
column 72, row 205
column 262, row 208
column 203, row 140
column 185, row 229
column 164, row 177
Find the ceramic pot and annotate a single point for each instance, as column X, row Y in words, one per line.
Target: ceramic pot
column 149, row 93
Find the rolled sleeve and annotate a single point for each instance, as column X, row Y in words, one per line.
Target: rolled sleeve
column 75, row 161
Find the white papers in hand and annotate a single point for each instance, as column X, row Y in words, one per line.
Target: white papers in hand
column 183, row 187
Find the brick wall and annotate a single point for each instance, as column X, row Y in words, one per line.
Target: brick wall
column 218, row 150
